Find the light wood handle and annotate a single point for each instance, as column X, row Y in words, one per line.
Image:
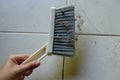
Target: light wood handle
column 36, row 55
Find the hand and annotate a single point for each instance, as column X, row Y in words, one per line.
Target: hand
column 12, row 70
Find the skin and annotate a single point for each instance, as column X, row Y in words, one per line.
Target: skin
column 12, row 70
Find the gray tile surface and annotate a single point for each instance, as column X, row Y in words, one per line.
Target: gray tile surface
column 26, row 15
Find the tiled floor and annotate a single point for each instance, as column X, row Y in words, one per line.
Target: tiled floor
column 24, row 29
column 96, row 58
column 98, row 47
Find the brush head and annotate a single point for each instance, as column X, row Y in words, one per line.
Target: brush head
column 63, row 32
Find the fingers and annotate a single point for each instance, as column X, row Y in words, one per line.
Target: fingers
column 29, row 66
column 21, row 56
column 16, row 71
column 28, row 72
column 18, row 58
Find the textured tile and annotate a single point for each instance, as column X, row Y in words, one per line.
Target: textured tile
column 98, row 16
column 26, row 15
column 51, row 66
column 96, row 58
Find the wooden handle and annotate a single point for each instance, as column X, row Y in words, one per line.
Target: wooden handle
column 36, row 55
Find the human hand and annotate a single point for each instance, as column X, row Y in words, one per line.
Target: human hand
column 12, row 70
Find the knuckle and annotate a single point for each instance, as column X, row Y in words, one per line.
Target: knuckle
column 17, row 70
column 11, row 56
column 32, row 65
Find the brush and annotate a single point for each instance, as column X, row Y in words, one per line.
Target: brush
column 61, row 34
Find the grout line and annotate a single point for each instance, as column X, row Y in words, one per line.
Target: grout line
column 63, row 68
column 63, row 56
column 100, row 34
column 20, row 32
column 67, row 2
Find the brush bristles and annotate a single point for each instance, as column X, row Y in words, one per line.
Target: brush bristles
column 63, row 41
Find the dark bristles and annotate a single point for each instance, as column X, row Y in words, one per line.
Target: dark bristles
column 63, row 42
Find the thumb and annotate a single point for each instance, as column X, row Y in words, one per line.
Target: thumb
column 29, row 66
